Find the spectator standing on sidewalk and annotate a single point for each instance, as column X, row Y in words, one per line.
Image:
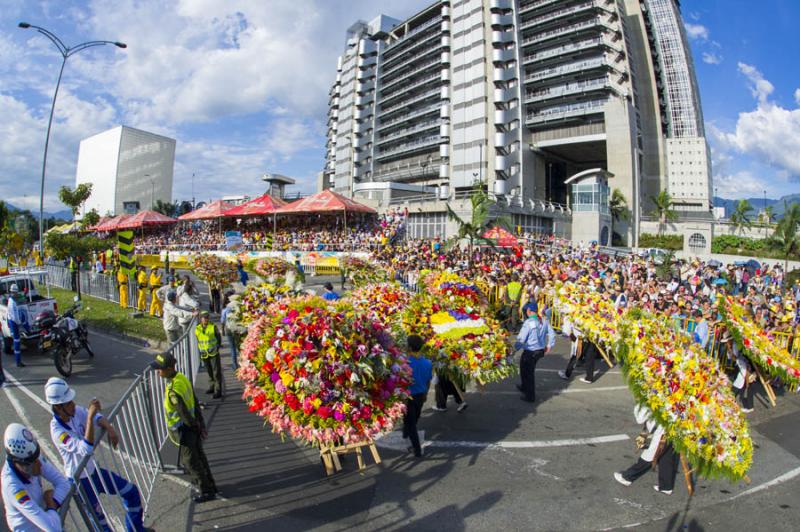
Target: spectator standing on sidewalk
column 186, row 426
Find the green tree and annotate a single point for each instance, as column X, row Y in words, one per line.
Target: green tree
column 90, row 219
column 662, row 209
column 62, row 246
column 75, row 198
column 481, row 220
column 740, row 217
column 618, row 206
column 4, row 215
column 786, row 232
column 26, row 226
column 167, row 209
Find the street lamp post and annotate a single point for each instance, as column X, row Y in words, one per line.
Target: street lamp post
column 66, row 52
column 766, row 218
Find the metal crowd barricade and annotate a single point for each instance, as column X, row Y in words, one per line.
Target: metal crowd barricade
column 99, row 285
column 138, row 418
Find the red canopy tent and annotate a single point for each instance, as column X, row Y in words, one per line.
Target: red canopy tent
column 325, row 201
column 214, row 209
column 111, row 224
column 265, row 204
column 503, row 237
column 144, row 219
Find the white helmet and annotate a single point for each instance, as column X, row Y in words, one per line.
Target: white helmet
column 13, row 288
column 20, row 444
column 58, row 392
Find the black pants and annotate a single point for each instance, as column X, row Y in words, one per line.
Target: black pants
column 445, row 388
column 589, row 357
column 194, row 460
column 667, row 469
column 74, row 280
column 745, row 395
column 527, row 368
column 216, row 301
column 413, row 411
column 214, row 369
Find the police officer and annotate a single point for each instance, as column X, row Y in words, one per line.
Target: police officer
column 155, row 283
column 72, row 430
column 208, row 342
column 186, row 427
column 73, row 273
column 141, row 284
column 16, row 319
column 536, row 339
column 28, row 505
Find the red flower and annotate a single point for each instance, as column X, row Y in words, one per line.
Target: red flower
column 324, row 412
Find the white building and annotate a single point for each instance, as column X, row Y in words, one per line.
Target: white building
column 129, row 170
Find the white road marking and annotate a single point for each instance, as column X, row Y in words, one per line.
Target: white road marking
column 394, row 441
column 564, row 390
column 44, row 443
column 774, row 482
column 24, row 389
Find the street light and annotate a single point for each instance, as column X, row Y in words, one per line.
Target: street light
column 66, row 52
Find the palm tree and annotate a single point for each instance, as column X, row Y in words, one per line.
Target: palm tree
column 769, row 214
column 474, row 229
column 167, row 209
column 618, row 206
column 662, row 209
column 786, row 232
column 740, row 217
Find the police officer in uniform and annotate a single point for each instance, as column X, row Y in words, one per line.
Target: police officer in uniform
column 28, row 505
column 186, row 426
column 208, row 342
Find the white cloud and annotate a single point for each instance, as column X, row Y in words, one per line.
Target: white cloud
column 760, row 87
column 797, row 96
column 738, row 185
column 712, row 58
column 697, row 31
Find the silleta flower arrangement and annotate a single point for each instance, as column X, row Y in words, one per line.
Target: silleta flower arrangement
column 760, row 346
column 273, row 270
column 673, row 377
column 361, row 272
column 383, row 303
column 322, row 375
column 255, row 301
column 455, row 288
column 214, row 270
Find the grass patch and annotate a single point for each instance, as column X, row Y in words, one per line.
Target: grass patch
column 109, row 316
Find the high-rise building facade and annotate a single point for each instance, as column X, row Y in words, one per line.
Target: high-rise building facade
column 536, row 100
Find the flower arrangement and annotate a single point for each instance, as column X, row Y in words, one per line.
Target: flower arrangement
column 256, row 299
column 454, row 287
column 273, row 270
column 323, row 375
column 383, row 303
column 362, row 272
column 672, row 376
column 461, row 341
column 214, row 270
column 760, row 346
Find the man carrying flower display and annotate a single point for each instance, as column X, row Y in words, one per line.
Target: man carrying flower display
column 421, row 370
column 658, row 450
column 536, row 338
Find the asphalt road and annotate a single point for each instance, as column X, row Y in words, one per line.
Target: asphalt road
column 503, row 464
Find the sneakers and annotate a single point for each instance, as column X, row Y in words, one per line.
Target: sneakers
column 665, row 492
column 619, row 478
column 563, row 374
column 437, row 409
column 584, row 379
column 747, row 410
column 204, row 497
column 463, row 406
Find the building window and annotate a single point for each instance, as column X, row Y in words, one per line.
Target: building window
column 697, row 243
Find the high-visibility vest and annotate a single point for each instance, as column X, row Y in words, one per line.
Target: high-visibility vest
column 155, row 281
column 121, row 277
column 181, row 387
column 72, row 266
column 141, row 279
column 513, row 289
column 206, row 339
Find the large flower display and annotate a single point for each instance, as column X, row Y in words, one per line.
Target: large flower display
column 323, row 375
column 214, row 270
column 383, row 303
column 256, row 299
column 760, row 346
column 272, row 269
column 672, row 376
column 455, row 288
column 361, row 272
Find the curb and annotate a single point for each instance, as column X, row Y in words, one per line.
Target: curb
column 129, row 338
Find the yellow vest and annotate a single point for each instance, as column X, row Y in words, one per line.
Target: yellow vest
column 181, row 386
column 141, row 279
column 122, row 278
column 513, row 288
column 206, row 339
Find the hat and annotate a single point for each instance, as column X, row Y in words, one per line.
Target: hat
column 13, row 288
column 163, row 361
column 532, row 307
column 204, row 314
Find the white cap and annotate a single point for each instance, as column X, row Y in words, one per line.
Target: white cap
column 13, row 288
column 20, row 444
column 58, row 392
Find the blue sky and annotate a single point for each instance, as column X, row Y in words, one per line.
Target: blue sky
column 243, row 87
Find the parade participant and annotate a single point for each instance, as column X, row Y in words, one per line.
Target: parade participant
column 16, row 320
column 536, row 338
column 72, row 430
column 215, row 293
column 208, row 342
column 28, row 505
column 420, row 382
column 659, row 451
column 743, row 385
column 444, row 388
column 154, row 282
column 227, row 330
column 575, row 341
column 186, row 426
column 701, row 330
column 122, row 281
column 243, row 276
column 329, row 294
column 173, row 314
column 141, row 284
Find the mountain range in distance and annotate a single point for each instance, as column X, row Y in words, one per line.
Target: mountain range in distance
column 778, row 207
column 66, row 214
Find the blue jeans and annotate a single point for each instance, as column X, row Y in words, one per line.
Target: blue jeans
column 113, row 484
column 234, row 352
column 17, row 342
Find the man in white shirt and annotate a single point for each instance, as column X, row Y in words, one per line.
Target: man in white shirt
column 174, row 317
column 28, row 505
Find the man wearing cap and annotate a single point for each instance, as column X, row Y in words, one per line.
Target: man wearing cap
column 536, row 338
column 208, row 342
column 186, row 426
column 329, row 294
column 16, row 319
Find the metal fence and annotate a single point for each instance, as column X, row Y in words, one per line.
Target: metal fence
column 138, row 418
column 99, row 285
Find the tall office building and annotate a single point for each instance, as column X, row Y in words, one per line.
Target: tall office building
column 129, row 170
column 548, row 104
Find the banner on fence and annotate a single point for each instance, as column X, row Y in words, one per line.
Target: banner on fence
column 126, row 256
column 233, row 240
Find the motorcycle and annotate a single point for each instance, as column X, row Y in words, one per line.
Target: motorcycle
column 65, row 335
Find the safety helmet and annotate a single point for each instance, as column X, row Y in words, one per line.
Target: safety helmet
column 58, row 392
column 13, row 288
column 20, row 444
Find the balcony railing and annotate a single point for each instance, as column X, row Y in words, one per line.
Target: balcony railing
column 561, row 13
column 567, row 30
column 416, row 128
column 420, row 68
column 408, row 116
column 404, row 64
column 565, row 111
column 422, row 97
column 567, row 89
column 416, row 31
column 569, row 68
column 410, row 146
column 418, row 83
column 570, row 48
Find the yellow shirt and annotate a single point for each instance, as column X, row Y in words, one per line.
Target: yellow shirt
column 155, row 280
column 141, row 279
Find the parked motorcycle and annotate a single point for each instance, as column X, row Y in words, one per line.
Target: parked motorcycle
column 65, row 335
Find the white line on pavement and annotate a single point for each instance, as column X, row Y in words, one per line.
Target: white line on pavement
column 38, row 400
column 44, row 443
column 774, row 482
column 565, row 390
column 530, row 444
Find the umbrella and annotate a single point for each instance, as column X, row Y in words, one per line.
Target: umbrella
column 145, row 218
column 720, row 281
column 212, row 210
